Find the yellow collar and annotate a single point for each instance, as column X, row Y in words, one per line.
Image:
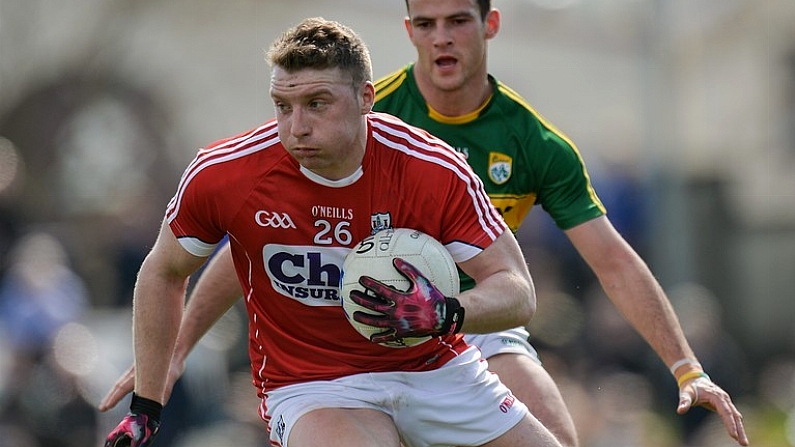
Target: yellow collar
column 461, row 119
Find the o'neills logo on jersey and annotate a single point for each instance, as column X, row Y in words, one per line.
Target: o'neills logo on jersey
column 332, row 212
column 500, row 166
column 307, row 274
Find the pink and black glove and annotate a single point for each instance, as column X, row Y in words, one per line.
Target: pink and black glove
column 420, row 311
column 139, row 427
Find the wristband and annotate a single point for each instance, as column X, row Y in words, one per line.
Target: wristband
column 691, row 375
column 455, row 317
column 149, row 407
column 683, row 362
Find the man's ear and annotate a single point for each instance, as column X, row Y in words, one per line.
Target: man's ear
column 407, row 24
column 492, row 23
column 368, row 97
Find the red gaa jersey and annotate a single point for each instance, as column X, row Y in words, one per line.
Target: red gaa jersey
column 290, row 230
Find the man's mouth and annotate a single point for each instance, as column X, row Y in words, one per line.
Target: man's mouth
column 446, row 62
column 304, row 150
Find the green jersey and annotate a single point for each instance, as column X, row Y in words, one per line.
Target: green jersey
column 521, row 158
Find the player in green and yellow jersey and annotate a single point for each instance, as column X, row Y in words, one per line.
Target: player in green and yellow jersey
column 523, row 161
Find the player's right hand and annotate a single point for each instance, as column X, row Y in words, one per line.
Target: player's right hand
column 139, row 427
column 135, row 430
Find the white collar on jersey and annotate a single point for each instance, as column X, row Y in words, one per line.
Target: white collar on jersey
column 349, row 180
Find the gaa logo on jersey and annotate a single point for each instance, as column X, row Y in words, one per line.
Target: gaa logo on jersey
column 307, row 274
column 500, row 166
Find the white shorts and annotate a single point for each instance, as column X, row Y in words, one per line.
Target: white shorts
column 512, row 341
column 458, row 404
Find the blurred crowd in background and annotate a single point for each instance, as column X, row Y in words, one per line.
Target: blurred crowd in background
column 684, row 111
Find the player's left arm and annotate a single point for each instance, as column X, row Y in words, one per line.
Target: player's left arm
column 504, row 295
column 503, row 298
column 630, row 285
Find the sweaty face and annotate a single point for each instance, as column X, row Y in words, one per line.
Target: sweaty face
column 450, row 38
column 320, row 118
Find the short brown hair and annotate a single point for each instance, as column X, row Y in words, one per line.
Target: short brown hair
column 320, row 44
column 484, row 6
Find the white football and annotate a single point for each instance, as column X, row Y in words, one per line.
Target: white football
column 373, row 257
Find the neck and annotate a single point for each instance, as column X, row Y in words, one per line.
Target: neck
column 455, row 102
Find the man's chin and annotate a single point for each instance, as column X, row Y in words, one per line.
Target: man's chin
column 448, row 84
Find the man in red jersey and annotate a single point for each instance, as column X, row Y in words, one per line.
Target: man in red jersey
column 270, row 190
